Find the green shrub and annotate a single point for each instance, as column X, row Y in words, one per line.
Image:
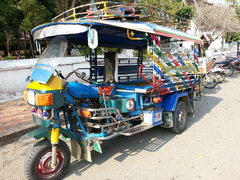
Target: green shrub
column 10, row 57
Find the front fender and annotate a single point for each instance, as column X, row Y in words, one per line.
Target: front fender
column 39, row 133
column 45, row 133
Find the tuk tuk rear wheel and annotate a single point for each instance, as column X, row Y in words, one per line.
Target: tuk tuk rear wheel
column 38, row 161
column 179, row 118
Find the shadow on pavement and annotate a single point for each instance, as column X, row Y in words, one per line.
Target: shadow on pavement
column 151, row 140
column 216, row 89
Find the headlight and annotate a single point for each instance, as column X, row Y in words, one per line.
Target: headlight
column 31, row 97
column 38, row 99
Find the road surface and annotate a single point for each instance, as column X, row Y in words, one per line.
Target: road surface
column 208, row 149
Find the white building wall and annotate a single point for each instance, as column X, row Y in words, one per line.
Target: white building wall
column 216, row 45
column 14, row 72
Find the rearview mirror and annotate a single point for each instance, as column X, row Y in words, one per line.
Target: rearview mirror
column 92, row 38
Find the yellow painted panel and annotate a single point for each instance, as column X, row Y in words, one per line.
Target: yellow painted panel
column 54, row 83
column 55, row 135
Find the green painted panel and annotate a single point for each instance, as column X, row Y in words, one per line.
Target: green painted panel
column 121, row 104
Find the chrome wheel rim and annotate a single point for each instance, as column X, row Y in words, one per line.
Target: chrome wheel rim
column 43, row 165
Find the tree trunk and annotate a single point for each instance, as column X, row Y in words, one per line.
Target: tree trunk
column 25, row 43
column 73, row 3
column 65, row 5
column 8, row 45
column 5, row 49
column 18, row 48
column 31, row 44
column 223, row 39
column 60, row 5
column 228, row 36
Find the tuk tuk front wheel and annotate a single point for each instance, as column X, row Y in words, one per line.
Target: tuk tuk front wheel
column 38, row 161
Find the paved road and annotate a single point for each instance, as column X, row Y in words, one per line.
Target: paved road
column 208, row 149
column 15, row 120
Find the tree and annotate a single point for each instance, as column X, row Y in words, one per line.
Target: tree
column 233, row 2
column 10, row 19
column 218, row 19
column 63, row 5
column 50, row 5
column 185, row 12
column 170, row 6
column 236, row 5
column 4, row 4
column 34, row 15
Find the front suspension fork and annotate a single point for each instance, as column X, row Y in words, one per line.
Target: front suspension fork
column 54, row 141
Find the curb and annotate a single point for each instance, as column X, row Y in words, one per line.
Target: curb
column 9, row 138
column 11, row 99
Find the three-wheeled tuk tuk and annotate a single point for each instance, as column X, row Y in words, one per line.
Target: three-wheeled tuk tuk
column 120, row 96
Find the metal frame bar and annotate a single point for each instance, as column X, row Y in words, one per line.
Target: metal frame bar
column 150, row 11
column 102, row 135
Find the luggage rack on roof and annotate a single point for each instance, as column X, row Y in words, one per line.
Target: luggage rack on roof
column 124, row 12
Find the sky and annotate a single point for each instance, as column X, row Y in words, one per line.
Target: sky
column 217, row 1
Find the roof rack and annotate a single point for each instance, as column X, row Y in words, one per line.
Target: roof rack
column 124, row 12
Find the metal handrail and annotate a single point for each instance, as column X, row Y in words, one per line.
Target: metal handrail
column 161, row 16
column 78, row 7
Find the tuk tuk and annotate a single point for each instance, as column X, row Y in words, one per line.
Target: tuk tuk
column 118, row 96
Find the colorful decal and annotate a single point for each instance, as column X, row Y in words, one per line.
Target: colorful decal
column 176, row 71
column 97, row 146
column 130, row 104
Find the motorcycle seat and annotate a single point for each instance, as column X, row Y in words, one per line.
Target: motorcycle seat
column 79, row 90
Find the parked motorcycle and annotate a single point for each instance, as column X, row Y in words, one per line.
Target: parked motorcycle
column 230, row 64
column 213, row 76
column 236, row 64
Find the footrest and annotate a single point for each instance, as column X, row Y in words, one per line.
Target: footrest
column 136, row 129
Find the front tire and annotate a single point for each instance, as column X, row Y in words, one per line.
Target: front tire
column 229, row 71
column 209, row 80
column 38, row 161
column 220, row 77
column 179, row 118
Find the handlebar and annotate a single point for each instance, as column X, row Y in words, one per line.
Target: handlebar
column 59, row 73
column 78, row 74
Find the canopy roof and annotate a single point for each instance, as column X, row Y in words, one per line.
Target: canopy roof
column 111, row 33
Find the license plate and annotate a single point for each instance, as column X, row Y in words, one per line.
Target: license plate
column 158, row 116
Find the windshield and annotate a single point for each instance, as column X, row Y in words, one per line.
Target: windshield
column 49, row 60
column 53, row 52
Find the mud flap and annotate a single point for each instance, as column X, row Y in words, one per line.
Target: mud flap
column 76, row 149
column 167, row 120
column 86, row 149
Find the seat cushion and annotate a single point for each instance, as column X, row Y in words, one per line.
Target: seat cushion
column 79, row 90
